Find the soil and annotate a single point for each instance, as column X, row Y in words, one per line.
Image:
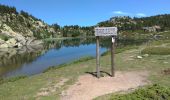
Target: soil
column 88, row 87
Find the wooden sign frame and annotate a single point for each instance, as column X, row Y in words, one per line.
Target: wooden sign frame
column 105, row 31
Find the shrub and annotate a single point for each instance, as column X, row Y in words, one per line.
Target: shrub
column 153, row 92
column 3, row 37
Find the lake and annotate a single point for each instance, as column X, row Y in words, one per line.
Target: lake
column 31, row 60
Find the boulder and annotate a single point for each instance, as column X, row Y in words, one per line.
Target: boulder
column 4, row 45
column 11, row 42
column 2, row 41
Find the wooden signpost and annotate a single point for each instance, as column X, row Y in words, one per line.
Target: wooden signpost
column 105, row 31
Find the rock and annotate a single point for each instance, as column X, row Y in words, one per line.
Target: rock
column 19, row 44
column 165, row 62
column 4, row 45
column 36, row 42
column 11, row 42
column 2, row 41
column 139, row 57
column 146, row 55
column 40, row 24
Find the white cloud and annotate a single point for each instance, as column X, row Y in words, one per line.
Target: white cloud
column 120, row 12
column 141, row 14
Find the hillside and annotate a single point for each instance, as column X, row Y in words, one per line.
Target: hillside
column 151, row 24
column 21, row 28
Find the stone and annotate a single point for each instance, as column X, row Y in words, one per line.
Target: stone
column 4, row 45
column 146, row 55
column 11, row 42
column 36, row 42
column 165, row 62
column 139, row 57
column 18, row 45
column 2, row 41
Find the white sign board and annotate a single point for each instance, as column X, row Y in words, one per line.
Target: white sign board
column 105, row 31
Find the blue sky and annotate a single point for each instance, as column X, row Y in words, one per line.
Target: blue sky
column 88, row 12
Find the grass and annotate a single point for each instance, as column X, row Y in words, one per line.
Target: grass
column 156, row 50
column 153, row 92
column 119, row 50
column 11, row 79
column 27, row 88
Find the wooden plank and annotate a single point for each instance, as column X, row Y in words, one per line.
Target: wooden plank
column 112, row 57
column 105, row 31
column 97, row 57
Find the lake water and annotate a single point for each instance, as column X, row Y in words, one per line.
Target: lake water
column 32, row 60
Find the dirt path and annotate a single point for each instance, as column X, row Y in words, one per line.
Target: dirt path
column 89, row 87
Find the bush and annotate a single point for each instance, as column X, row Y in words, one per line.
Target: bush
column 156, row 50
column 153, row 92
column 3, row 37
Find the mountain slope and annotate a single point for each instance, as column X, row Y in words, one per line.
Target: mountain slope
column 21, row 27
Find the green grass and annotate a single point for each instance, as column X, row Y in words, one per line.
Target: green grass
column 156, row 50
column 153, row 92
column 11, row 79
column 119, row 50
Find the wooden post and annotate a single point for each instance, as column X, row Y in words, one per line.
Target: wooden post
column 97, row 57
column 112, row 57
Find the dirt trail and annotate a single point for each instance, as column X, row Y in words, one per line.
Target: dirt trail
column 89, row 87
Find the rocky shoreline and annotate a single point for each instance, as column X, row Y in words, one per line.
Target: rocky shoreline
column 13, row 43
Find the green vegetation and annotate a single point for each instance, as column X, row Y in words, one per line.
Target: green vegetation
column 127, row 23
column 3, row 37
column 119, row 50
column 77, row 31
column 12, row 79
column 7, row 9
column 153, row 92
column 156, row 50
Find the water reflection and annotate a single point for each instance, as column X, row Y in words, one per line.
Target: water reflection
column 12, row 58
column 31, row 60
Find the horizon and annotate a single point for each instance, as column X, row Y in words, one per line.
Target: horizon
column 87, row 13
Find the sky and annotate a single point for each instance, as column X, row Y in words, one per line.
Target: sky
column 88, row 12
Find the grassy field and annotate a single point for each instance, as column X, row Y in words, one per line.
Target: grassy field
column 30, row 88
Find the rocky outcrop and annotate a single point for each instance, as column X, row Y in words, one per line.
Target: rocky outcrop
column 22, row 29
column 16, row 39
